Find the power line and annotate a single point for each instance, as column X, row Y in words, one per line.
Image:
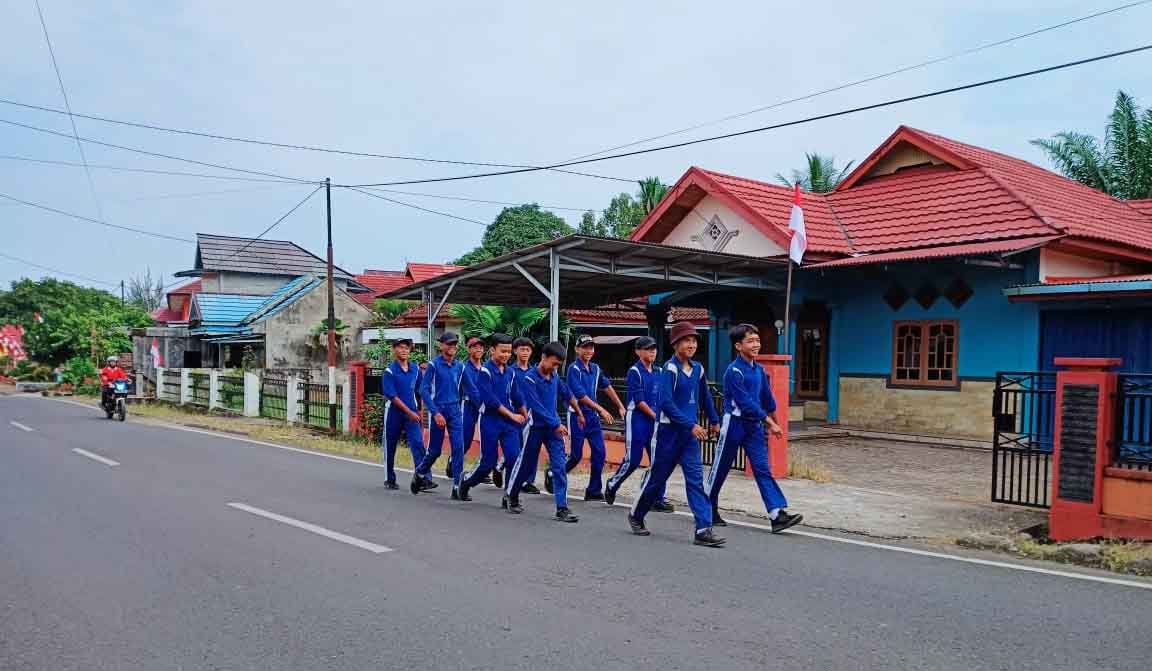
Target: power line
column 796, row 122
column 176, row 173
column 481, row 200
column 156, row 154
column 417, row 207
column 277, row 222
column 95, row 221
column 300, row 147
column 68, row 107
column 869, row 79
column 57, row 270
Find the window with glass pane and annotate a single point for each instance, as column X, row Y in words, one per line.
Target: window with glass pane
column 925, row 353
column 811, row 361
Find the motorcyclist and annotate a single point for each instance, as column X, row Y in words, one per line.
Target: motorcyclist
column 108, row 375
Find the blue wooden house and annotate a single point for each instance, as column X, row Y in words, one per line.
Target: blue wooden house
column 931, row 268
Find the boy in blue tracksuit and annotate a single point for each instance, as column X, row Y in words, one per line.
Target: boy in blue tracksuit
column 542, row 389
column 639, row 420
column 522, row 350
column 683, row 391
column 470, row 406
column 585, row 380
column 499, row 420
column 748, row 406
column 398, row 385
column 442, row 389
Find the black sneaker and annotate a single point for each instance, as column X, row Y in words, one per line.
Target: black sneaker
column 565, row 515
column 429, row 483
column 391, row 484
column 417, row 485
column 487, row 480
column 514, row 507
column 638, row 527
column 548, row 482
column 593, row 497
column 706, row 538
column 785, row 520
column 529, row 488
column 610, row 496
column 462, row 492
column 718, row 521
column 504, row 502
column 663, row 507
column 497, row 478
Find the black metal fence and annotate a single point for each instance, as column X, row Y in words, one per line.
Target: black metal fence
column 232, row 392
column 199, row 386
column 273, row 396
column 1023, row 415
column 1133, row 447
column 313, row 408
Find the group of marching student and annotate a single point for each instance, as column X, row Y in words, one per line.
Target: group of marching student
column 516, row 406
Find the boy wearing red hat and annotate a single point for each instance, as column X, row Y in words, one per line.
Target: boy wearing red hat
column 683, row 391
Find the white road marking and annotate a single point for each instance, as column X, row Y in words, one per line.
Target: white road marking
column 308, row 526
column 825, row 537
column 20, row 426
column 95, row 457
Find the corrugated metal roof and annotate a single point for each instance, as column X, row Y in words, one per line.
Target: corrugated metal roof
column 226, row 309
column 283, row 297
column 270, row 257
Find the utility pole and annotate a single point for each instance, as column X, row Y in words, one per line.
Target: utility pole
column 331, row 316
column 121, row 293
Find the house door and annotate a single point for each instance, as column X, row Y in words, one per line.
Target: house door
column 812, row 352
column 756, row 310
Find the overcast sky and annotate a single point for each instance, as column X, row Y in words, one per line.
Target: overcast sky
column 507, row 82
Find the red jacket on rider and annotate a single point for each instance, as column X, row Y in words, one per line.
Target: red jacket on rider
column 108, row 374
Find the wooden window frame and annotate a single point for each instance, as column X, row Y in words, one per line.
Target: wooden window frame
column 922, row 381
column 822, row 394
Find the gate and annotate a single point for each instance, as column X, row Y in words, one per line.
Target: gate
column 1023, row 415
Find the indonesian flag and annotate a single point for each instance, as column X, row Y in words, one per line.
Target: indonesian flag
column 157, row 360
column 38, row 318
column 796, row 226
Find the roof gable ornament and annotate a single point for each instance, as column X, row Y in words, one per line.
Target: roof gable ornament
column 714, row 236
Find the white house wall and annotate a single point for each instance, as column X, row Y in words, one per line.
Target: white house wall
column 747, row 239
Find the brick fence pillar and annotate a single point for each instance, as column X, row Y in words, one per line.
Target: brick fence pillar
column 778, row 368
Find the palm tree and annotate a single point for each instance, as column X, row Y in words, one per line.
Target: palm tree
column 651, row 192
column 819, row 176
column 482, row 321
column 1121, row 166
column 385, row 310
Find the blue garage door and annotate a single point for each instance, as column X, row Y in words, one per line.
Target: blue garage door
column 1098, row 333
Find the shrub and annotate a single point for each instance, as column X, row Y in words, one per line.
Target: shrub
column 371, row 416
column 78, row 369
column 30, row 371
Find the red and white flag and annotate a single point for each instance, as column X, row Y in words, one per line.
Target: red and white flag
column 157, row 360
column 796, row 226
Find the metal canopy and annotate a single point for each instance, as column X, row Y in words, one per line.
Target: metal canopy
column 579, row 271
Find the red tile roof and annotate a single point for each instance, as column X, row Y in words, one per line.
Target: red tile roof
column 164, row 314
column 976, row 196
column 939, row 252
column 193, row 287
column 380, row 281
column 426, row 271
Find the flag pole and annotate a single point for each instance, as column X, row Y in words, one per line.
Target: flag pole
column 788, row 309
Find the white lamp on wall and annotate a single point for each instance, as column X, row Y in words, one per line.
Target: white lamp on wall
column 779, row 327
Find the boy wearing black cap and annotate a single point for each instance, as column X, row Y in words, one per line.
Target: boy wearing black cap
column 398, row 385
column 442, row 389
column 748, row 407
column 683, row 390
column 542, row 388
column 640, row 420
column 584, row 380
column 499, row 420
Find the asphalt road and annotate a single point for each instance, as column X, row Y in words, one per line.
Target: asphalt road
column 145, row 565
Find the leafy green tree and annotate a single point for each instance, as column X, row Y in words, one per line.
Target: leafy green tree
column 385, row 310
column 482, row 321
column 820, row 175
column 1121, row 165
column 515, row 228
column 76, row 319
column 589, row 225
column 625, row 211
column 651, row 192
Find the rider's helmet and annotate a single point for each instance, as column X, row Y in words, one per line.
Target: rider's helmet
column 113, row 361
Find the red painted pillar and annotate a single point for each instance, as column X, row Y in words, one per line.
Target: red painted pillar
column 778, row 368
column 1083, row 428
column 356, row 371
